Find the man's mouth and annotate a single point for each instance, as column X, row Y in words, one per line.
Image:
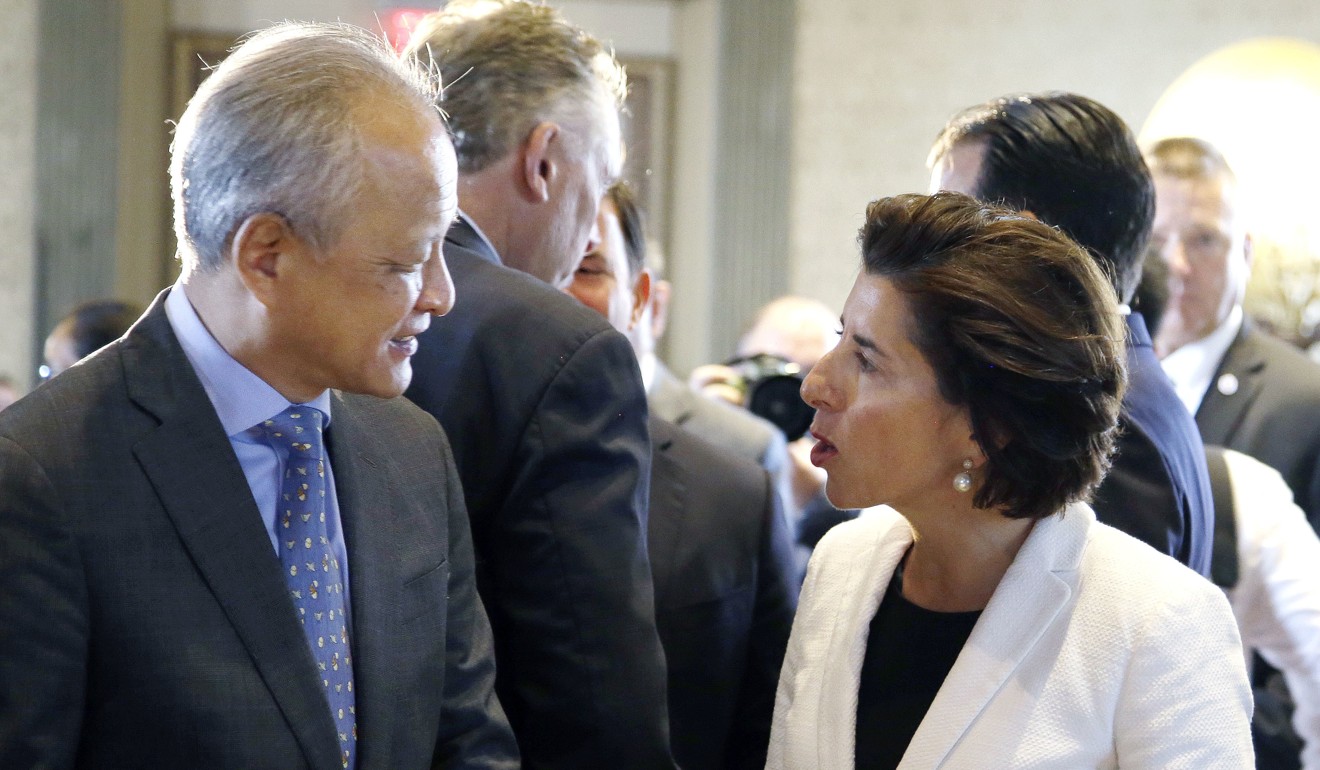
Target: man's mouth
column 406, row 345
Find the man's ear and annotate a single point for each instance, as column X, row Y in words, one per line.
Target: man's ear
column 538, row 166
column 661, row 292
column 641, row 295
column 260, row 252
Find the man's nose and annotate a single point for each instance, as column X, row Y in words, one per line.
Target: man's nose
column 1175, row 256
column 437, row 297
column 593, row 236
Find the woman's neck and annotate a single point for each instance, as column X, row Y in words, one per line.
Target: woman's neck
column 957, row 559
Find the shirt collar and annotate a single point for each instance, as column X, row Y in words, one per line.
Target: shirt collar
column 1192, row 366
column 647, row 364
column 472, row 223
column 241, row 398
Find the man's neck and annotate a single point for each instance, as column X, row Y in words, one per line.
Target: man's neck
column 485, row 198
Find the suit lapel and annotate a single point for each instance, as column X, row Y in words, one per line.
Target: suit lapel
column 201, row 485
column 1036, row 587
column 362, row 473
column 1221, row 413
column 667, row 514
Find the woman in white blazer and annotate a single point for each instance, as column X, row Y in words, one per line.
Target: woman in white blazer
column 994, row 623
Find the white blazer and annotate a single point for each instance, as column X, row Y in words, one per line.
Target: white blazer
column 1095, row 651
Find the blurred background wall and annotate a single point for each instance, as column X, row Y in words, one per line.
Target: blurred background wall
column 777, row 120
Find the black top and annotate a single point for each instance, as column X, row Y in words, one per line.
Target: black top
column 908, row 653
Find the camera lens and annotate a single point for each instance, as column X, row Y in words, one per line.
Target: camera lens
column 779, row 400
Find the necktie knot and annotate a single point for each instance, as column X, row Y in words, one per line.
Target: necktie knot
column 297, row 429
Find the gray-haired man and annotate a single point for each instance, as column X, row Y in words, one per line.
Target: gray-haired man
column 224, row 541
column 542, row 397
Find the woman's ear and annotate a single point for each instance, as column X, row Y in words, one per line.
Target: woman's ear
column 538, row 165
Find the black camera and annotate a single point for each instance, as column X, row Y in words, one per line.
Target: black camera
column 772, row 388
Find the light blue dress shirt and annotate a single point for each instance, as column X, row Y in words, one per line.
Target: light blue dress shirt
column 243, row 401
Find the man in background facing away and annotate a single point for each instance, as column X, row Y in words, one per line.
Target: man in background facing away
column 225, row 542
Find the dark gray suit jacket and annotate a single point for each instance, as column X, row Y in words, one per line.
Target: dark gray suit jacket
column 725, row 593
column 543, row 402
column 145, row 622
column 740, row 431
column 1274, row 413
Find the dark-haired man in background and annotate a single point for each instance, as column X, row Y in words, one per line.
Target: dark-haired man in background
column 1072, row 163
column 725, row 582
column 85, row 330
column 540, row 396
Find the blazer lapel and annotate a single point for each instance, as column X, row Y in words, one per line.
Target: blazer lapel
column 859, row 592
column 1036, row 587
column 1235, row 386
column 362, row 472
column 192, row 466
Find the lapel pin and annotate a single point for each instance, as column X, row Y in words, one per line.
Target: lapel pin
column 1228, row 384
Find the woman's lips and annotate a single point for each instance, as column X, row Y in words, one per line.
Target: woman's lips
column 822, row 452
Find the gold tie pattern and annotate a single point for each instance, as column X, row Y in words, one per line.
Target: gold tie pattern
column 311, row 568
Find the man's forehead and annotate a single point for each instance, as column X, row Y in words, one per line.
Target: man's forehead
column 1211, row 192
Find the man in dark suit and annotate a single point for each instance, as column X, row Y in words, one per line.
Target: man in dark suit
column 1074, row 164
column 542, row 398
column 1249, row 391
column 224, row 541
column 719, row 543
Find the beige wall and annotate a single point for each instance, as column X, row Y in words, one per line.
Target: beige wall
column 18, row 121
column 876, row 79
column 142, row 241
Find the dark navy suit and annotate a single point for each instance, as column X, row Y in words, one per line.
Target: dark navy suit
column 1158, row 489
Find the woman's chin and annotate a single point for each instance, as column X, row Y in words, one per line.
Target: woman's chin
column 845, row 498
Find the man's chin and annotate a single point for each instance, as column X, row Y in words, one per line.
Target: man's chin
column 386, row 386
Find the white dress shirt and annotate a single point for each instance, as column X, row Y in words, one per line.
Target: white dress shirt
column 1192, row 366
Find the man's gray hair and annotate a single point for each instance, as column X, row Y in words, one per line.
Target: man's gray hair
column 510, row 65
column 274, row 129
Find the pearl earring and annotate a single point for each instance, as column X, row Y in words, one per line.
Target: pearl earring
column 963, row 481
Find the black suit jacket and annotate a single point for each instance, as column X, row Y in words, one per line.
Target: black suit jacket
column 544, row 405
column 1272, row 415
column 725, row 594
column 1158, row 489
column 145, row 622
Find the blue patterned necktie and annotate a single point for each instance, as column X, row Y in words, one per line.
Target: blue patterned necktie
column 311, row 568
